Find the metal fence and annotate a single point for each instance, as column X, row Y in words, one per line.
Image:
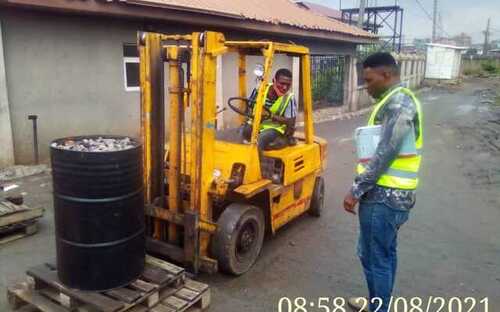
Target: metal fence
column 327, row 79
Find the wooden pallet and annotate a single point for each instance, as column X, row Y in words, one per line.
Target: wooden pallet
column 162, row 287
column 17, row 221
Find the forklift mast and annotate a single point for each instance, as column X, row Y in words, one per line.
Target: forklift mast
column 180, row 222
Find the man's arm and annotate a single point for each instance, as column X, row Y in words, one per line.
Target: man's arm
column 397, row 122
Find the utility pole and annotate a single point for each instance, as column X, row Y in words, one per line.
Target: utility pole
column 440, row 26
column 434, row 21
column 486, row 38
column 361, row 14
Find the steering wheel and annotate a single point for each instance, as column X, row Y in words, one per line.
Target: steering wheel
column 247, row 111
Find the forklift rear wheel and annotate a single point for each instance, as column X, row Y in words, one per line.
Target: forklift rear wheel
column 239, row 237
column 318, row 198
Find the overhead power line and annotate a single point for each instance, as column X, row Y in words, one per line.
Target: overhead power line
column 430, row 17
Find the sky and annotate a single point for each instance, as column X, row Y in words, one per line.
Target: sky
column 457, row 16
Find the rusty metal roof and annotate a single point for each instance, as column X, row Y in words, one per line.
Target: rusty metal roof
column 283, row 12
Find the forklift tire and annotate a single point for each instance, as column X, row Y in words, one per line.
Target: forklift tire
column 318, row 198
column 239, row 237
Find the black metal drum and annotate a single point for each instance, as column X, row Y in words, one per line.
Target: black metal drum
column 99, row 213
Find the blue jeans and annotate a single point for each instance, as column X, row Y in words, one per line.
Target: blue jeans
column 379, row 225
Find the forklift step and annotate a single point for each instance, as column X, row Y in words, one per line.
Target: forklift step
column 162, row 287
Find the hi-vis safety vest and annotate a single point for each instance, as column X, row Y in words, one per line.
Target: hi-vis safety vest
column 278, row 108
column 403, row 171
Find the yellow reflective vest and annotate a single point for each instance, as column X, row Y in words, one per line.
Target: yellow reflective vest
column 278, row 108
column 403, row 171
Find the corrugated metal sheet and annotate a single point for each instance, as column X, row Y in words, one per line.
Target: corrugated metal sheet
column 269, row 11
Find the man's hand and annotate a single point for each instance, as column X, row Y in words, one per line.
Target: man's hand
column 350, row 203
column 277, row 118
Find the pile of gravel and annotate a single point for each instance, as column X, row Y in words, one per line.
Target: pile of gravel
column 99, row 144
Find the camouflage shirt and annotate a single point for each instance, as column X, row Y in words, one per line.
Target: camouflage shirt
column 397, row 117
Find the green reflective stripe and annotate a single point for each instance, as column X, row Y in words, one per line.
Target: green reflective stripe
column 401, row 173
column 380, row 104
column 284, row 105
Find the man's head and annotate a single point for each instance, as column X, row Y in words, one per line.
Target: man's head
column 282, row 81
column 380, row 72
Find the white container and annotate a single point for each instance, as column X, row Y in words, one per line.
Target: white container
column 367, row 139
column 443, row 61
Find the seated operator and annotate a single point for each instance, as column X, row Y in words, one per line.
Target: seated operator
column 277, row 131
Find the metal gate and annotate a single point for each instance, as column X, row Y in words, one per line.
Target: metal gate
column 327, row 79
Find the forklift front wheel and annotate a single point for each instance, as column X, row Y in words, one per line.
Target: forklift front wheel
column 318, row 198
column 239, row 237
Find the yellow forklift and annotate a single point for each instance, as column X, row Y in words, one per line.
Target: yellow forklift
column 208, row 202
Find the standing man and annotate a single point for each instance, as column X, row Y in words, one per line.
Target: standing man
column 385, row 185
column 277, row 131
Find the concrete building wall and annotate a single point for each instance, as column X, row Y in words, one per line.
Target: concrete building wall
column 6, row 141
column 69, row 72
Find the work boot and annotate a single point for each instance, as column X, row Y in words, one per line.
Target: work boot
column 357, row 303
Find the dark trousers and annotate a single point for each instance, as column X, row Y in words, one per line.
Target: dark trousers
column 379, row 225
column 266, row 138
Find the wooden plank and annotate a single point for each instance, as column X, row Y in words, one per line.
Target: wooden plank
column 7, row 229
column 12, row 207
column 205, row 299
column 194, row 285
column 21, row 216
column 153, row 299
column 57, row 296
column 40, row 302
column 175, row 302
column 171, row 268
column 187, row 294
column 4, row 209
column 192, row 241
column 156, row 275
column 94, row 299
column 167, row 292
column 124, row 294
column 142, row 286
column 11, row 238
column 137, row 308
column 17, row 231
column 162, row 308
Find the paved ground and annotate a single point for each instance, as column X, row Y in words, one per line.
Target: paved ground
column 450, row 246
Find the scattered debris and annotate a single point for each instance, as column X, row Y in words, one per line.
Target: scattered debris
column 16, row 172
column 99, row 144
column 9, row 187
